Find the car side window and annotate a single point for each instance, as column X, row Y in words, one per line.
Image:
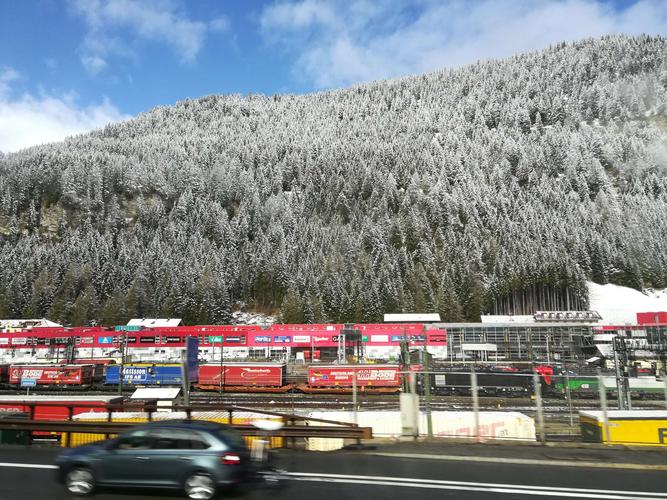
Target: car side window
column 173, row 439
column 135, row 441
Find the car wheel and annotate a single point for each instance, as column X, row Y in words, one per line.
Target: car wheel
column 200, row 486
column 80, row 481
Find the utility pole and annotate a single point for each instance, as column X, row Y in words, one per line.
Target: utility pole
column 426, row 381
column 123, row 340
column 621, row 370
column 221, row 367
column 619, row 377
column 537, row 388
column 184, row 378
column 475, row 400
column 603, row 404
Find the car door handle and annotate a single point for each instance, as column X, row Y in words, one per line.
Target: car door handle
column 185, row 458
column 142, row 458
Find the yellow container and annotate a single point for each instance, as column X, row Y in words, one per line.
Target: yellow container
column 78, row 438
column 632, row 427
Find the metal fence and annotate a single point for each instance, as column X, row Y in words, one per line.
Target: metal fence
column 488, row 403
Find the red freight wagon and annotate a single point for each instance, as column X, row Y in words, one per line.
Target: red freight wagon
column 55, row 407
column 53, row 374
column 343, row 375
column 243, row 376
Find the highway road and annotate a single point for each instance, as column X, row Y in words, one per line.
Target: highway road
column 27, row 473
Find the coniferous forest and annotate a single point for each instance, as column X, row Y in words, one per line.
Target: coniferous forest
column 499, row 187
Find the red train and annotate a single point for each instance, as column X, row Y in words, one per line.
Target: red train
column 53, row 374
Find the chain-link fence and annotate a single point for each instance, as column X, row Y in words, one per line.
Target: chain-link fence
column 538, row 404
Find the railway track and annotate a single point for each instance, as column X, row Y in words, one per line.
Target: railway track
column 365, row 401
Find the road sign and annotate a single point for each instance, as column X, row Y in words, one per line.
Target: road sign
column 28, row 382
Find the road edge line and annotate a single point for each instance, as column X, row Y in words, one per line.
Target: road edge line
column 522, row 461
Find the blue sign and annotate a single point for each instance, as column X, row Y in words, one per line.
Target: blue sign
column 397, row 338
column 105, row 340
column 282, row 339
column 266, row 339
column 28, row 382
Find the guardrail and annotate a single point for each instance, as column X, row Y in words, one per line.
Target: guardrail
column 59, row 417
column 292, row 431
column 150, row 407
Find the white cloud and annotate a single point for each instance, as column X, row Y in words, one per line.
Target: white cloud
column 337, row 44
column 27, row 120
column 94, row 64
column 114, row 25
column 7, row 76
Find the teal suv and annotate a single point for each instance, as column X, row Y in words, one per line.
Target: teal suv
column 200, row 458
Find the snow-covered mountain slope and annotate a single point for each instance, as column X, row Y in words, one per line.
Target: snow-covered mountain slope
column 499, row 187
column 619, row 304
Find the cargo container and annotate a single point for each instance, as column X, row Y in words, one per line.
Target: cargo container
column 343, row 376
column 52, row 374
column 40, row 407
column 148, row 374
column 243, row 374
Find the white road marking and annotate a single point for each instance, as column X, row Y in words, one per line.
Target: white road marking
column 520, row 489
column 473, row 486
column 522, row 461
column 28, row 466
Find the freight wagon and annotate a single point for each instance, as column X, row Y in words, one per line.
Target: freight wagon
column 341, row 378
column 589, row 387
column 244, row 377
column 53, row 375
column 54, row 407
column 148, row 374
column 491, row 382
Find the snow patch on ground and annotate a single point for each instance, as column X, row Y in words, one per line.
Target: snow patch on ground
column 250, row 318
column 619, row 305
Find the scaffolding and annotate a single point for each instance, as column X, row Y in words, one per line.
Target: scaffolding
column 516, row 342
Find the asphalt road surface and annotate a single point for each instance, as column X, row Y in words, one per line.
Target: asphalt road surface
column 27, row 473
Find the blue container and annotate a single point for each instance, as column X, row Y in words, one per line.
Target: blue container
column 148, row 374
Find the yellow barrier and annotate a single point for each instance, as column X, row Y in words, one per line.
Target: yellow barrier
column 647, row 427
column 79, row 438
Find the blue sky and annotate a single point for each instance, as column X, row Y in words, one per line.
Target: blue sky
column 68, row 66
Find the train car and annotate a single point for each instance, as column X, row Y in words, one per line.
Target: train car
column 52, row 375
column 242, row 377
column 588, row 386
column 492, row 381
column 45, row 407
column 41, row 407
column 341, row 378
column 148, row 374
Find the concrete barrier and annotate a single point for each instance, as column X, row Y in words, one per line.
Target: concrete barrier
column 492, row 425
